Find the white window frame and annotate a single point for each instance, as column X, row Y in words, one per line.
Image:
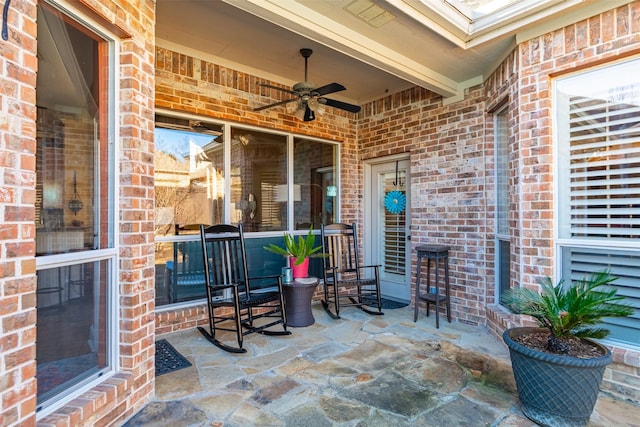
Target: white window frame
column 500, row 237
column 290, row 168
column 616, row 246
column 109, row 254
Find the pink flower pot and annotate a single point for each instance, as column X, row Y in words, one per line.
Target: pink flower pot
column 301, row 270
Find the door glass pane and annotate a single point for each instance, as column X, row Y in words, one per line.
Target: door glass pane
column 394, row 218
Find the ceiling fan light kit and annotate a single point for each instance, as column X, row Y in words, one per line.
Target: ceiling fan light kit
column 309, row 101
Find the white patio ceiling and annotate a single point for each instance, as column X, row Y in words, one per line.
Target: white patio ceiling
column 373, row 47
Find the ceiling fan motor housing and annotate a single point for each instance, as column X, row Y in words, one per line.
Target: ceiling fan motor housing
column 304, row 87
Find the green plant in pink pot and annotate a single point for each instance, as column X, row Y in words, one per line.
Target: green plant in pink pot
column 298, row 250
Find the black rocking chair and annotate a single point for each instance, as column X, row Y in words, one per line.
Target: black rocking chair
column 232, row 304
column 344, row 278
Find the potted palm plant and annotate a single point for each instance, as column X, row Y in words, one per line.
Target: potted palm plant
column 298, row 251
column 557, row 367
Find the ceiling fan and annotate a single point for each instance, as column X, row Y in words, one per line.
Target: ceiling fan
column 308, row 100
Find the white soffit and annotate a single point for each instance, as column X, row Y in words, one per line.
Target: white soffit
column 305, row 21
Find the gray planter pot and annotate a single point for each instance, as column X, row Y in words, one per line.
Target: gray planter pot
column 555, row 390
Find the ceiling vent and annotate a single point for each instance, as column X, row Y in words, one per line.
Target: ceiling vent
column 370, row 13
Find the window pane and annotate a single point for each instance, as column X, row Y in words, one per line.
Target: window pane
column 625, row 265
column 74, row 205
column 503, row 254
column 601, row 149
column 315, row 183
column 598, row 121
column 71, row 129
column 503, row 268
column 189, row 174
column 502, row 173
column 258, row 174
column 72, row 330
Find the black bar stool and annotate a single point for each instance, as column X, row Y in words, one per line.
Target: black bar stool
column 433, row 296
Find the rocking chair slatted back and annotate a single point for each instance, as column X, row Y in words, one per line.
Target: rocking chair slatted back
column 346, row 281
column 231, row 304
column 342, row 247
column 224, row 247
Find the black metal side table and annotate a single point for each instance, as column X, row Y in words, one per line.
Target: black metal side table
column 437, row 253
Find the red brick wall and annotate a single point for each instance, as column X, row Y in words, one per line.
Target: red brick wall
column 17, row 212
column 120, row 396
column 448, row 152
column 606, row 37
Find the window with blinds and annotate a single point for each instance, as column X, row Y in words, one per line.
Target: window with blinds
column 598, row 170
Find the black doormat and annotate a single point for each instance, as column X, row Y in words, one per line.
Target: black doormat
column 387, row 303
column 168, row 359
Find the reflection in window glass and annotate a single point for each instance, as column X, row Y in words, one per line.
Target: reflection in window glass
column 315, row 184
column 258, row 174
column 193, row 186
column 189, row 176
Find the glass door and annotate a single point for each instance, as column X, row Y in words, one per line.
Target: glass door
column 387, row 227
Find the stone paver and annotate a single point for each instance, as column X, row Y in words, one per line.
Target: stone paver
column 360, row 370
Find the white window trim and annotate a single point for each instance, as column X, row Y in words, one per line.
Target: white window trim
column 559, row 185
column 58, row 260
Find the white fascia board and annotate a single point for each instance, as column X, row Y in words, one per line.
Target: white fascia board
column 517, row 11
column 308, row 23
column 451, row 25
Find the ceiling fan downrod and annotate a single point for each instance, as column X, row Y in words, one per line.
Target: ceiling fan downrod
column 306, row 53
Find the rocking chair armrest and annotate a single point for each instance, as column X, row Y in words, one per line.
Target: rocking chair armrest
column 370, row 266
column 274, row 276
column 229, row 285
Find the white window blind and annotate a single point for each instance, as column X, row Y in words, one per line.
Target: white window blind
column 604, row 156
column 394, row 235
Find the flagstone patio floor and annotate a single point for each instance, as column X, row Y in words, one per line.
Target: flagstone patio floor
column 360, row 370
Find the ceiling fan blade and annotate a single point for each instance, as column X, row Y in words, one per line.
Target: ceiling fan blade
column 275, row 104
column 342, row 105
column 278, row 88
column 330, row 88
